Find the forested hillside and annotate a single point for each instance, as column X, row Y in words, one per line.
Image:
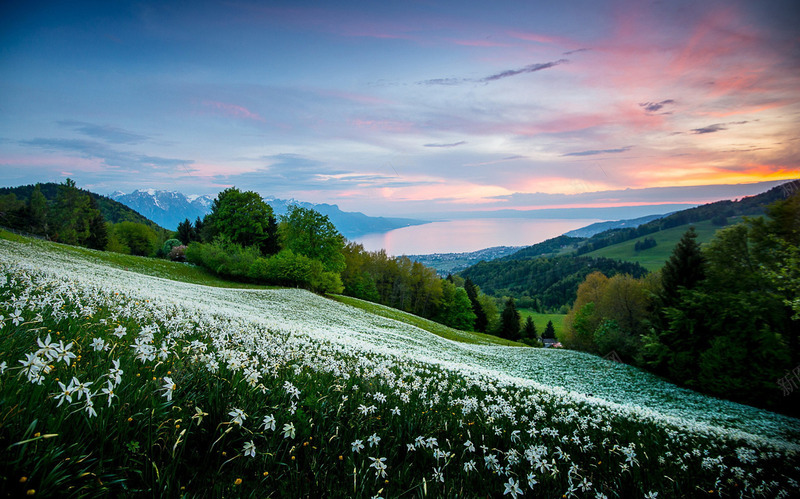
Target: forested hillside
column 551, row 282
column 546, row 275
column 112, row 211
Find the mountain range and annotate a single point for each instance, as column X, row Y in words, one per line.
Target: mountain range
column 169, row 208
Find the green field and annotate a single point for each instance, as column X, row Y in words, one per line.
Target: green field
column 654, row 258
column 540, row 320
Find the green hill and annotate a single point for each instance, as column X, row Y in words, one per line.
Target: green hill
column 111, row 210
column 653, row 258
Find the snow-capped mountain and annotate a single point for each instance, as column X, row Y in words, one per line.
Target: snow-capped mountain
column 169, row 208
column 166, row 208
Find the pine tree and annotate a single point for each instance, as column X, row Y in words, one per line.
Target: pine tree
column 529, row 331
column 510, row 321
column 684, row 269
column 37, row 211
column 481, row 320
column 549, row 331
column 98, row 233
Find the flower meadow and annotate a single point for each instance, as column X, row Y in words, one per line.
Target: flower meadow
column 119, row 384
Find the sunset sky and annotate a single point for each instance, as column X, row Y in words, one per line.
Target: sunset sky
column 404, row 108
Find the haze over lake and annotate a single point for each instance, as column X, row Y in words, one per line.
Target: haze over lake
column 459, row 236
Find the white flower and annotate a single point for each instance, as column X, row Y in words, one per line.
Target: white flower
column 249, row 449
column 238, row 416
column 512, row 487
column 198, row 414
column 90, row 407
column 64, row 394
column 109, row 390
column 380, row 466
column 531, row 480
column 98, row 344
column 373, row 440
column 469, row 445
column 651, row 495
column 469, row 466
column 115, row 373
column 119, row 332
column 269, row 422
column 357, row 445
column 168, row 388
column 3, row 367
column 396, row 411
column 438, row 474
column 63, row 352
column 288, row 430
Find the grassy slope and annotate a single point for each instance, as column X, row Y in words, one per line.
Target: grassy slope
column 653, row 259
column 425, row 324
column 195, row 275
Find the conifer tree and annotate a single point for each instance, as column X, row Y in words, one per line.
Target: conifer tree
column 510, row 321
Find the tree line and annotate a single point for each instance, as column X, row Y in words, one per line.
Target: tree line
column 66, row 214
column 722, row 319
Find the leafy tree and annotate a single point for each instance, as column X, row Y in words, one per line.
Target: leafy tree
column 138, row 238
column 240, row 217
column 312, row 234
column 510, row 321
column 71, row 214
column 455, row 309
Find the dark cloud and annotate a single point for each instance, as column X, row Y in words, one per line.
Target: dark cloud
column 594, row 152
column 106, row 133
column 111, row 157
column 717, row 127
column 576, row 51
column 531, row 68
column 653, row 107
column 453, row 144
column 709, row 129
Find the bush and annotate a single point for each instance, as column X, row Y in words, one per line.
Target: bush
column 178, row 253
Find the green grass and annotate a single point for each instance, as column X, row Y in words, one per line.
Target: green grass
column 540, row 320
column 441, row 330
column 155, row 267
column 654, row 258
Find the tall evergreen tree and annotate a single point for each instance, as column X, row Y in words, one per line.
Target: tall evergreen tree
column 37, row 211
column 684, row 269
column 510, row 321
column 186, row 233
column 98, row 233
column 529, row 331
column 481, row 320
column 549, row 331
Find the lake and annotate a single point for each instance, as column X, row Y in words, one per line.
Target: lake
column 461, row 236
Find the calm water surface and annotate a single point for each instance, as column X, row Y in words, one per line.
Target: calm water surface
column 458, row 236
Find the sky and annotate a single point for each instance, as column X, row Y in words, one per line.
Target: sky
column 405, row 108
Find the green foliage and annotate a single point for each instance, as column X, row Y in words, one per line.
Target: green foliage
column 241, row 218
column 169, row 244
column 510, row 321
column 138, row 238
column 549, row 331
column 310, row 233
column 552, row 281
column 247, row 264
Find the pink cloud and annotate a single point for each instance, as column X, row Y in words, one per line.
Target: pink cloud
column 233, row 110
